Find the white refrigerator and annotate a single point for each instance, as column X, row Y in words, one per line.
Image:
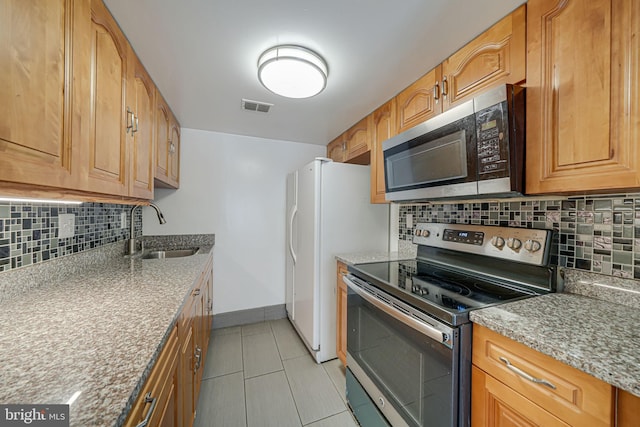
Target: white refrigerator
column 328, row 212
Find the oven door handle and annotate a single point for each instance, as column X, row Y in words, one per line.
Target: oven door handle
column 419, row 326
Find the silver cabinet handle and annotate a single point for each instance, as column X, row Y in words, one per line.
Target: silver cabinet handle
column 445, row 88
column 524, row 375
column 436, row 92
column 135, row 120
column 172, row 147
column 131, row 116
column 196, row 292
column 153, row 401
column 198, row 356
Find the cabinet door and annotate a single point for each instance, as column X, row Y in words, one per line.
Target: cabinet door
column 35, row 112
column 420, row 101
column 583, row 95
column 341, row 314
column 627, row 409
column 142, row 103
column 383, row 128
column 174, row 154
column 187, row 378
column 336, row 149
column 358, row 139
column 107, row 157
column 163, row 126
column 495, row 57
column 493, row 404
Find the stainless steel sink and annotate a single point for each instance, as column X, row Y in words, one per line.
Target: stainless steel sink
column 170, row 253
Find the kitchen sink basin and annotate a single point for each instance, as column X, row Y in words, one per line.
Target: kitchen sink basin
column 170, row 253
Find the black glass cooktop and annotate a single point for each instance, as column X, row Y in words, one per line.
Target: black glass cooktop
column 444, row 293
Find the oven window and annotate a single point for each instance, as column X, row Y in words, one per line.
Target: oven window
column 414, row 372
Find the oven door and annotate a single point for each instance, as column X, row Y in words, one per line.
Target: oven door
column 437, row 158
column 408, row 367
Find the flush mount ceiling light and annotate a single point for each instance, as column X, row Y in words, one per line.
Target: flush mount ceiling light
column 292, row 71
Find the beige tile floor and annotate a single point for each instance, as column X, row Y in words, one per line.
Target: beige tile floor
column 262, row 375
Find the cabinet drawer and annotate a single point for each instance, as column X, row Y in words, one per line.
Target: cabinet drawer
column 494, row 404
column 159, row 385
column 571, row 395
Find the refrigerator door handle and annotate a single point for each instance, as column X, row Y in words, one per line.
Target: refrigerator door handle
column 294, row 212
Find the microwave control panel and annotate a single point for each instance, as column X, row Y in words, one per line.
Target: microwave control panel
column 493, row 155
column 531, row 246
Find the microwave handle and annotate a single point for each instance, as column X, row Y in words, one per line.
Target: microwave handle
column 421, row 327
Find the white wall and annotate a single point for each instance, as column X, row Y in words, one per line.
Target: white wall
column 235, row 186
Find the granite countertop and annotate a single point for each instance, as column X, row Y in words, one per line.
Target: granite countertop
column 596, row 336
column 96, row 330
column 405, row 251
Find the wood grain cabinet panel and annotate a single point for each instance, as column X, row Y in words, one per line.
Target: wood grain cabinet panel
column 566, row 393
column 495, row 57
column 167, row 145
column 358, row 138
column 627, row 409
column 341, row 314
column 107, row 159
column 162, row 387
column 383, row 128
column 420, row 101
column 336, row 149
column 495, row 405
column 174, row 153
column 143, row 106
column 583, row 96
column 36, row 66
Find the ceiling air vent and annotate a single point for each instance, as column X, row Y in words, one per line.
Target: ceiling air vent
column 260, row 107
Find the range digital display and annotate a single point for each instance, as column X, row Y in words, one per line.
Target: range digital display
column 460, row 236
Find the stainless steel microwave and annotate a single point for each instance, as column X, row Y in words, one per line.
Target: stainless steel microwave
column 474, row 149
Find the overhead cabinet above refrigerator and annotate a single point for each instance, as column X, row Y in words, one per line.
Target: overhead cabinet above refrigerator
column 328, row 213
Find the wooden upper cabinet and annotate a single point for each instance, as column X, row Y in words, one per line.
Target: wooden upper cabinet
column 35, row 113
column 107, row 156
column 142, row 104
column 583, row 96
column 358, row 138
column 495, row 57
column 336, row 149
column 383, row 127
column 167, row 137
column 174, row 153
column 420, row 101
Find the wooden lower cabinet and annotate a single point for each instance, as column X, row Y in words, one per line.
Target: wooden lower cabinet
column 341, row 314
column 174, row 382
column 627, row 410
column 194, row 325
column 496, row 405
column 158, row 399
column 503, row 393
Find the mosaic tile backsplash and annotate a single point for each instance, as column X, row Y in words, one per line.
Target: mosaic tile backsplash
column 597, row 234
column 29, row 232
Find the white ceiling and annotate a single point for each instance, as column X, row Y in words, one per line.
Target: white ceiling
column 202, row 55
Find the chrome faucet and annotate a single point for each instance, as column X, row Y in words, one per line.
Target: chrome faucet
column 132, row 244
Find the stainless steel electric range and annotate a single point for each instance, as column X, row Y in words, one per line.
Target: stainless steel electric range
column 409, row 335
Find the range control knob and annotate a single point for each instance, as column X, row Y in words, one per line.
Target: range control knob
column 497, row 241
column 514, row 243
column 532, row 245
column 425, row 233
